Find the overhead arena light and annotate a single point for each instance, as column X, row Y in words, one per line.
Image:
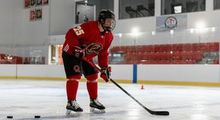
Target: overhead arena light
column 201, row 27
column 135, row 32
column 153, row 33
column 171, row 32
column 213, row 29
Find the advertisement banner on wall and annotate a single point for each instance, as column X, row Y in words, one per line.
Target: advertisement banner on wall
column 171, row 22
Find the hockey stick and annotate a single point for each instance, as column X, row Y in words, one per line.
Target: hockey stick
column 147, row 109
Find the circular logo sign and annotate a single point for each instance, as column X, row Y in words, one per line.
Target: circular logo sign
column 171, row 22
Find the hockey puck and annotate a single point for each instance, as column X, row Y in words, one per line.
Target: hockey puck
column 37, row 116
column 9, row 117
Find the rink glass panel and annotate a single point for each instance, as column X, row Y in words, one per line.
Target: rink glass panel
column 188, row 46
column 22, row 54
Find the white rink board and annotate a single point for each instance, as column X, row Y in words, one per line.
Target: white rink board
column 198, row 73
column 7, row 70
column 41, row 70
column 195, row 73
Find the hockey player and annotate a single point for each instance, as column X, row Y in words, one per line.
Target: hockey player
column 86, row 41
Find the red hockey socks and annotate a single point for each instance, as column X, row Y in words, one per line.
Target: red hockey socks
column 92, row 87
column 71, row 89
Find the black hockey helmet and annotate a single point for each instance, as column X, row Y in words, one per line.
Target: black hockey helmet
column 103, row 15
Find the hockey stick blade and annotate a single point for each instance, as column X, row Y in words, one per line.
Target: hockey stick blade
column 164, row 113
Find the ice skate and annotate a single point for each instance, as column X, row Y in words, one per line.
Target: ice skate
column 73, row 106
column 96, row 106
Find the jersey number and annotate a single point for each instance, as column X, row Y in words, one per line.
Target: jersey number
column 78, row 30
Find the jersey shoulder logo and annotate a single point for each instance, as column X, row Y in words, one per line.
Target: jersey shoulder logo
column 78, row 30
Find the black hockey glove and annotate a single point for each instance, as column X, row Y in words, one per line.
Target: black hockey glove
column 105, row 73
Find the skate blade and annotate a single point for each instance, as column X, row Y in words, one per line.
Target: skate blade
column 70, row 113
column 97, row 111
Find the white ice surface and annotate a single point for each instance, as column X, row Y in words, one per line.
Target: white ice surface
column 23, row 99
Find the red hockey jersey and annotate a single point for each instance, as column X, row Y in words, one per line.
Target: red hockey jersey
column 87, row 35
